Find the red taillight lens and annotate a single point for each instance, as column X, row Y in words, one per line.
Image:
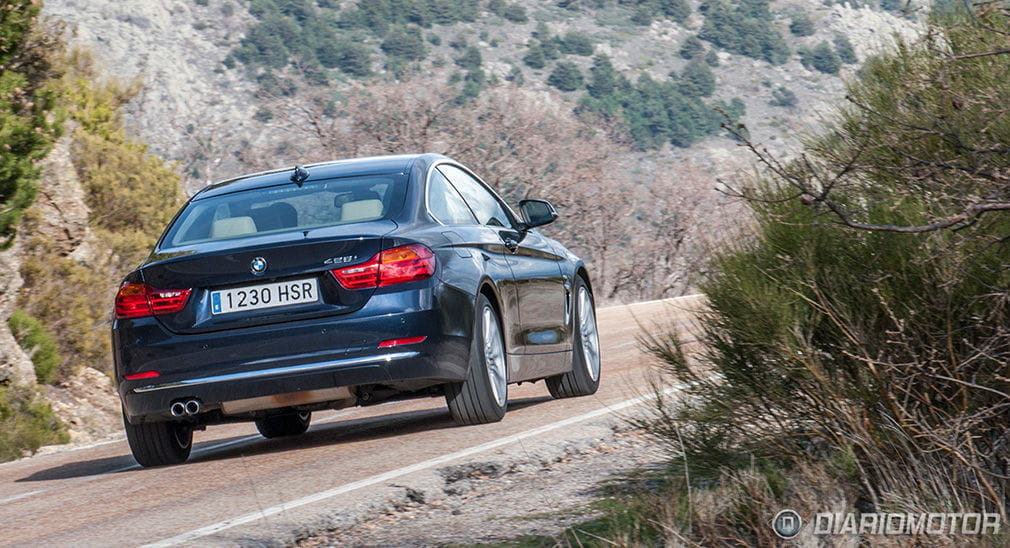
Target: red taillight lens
column 144, row 375
column 136, row 300
column 399, row 342
column 168, row 302
column 360, row 276
column 403, row 264
column 131, row 301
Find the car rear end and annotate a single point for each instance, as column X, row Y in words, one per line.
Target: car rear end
column 281, row 295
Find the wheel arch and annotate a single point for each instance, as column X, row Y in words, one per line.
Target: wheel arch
column 583, row 273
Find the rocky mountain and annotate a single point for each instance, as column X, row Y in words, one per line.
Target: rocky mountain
column 199, row 106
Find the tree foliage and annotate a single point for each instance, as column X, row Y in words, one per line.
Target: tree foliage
column 822, row 58
column 566, row 76
column 644, row 11
column 691, row 47
column 576, row 43
column 29, row 121
column 745, row 27
column 863, row 326
column 509, row 11
column 26, row 422
column 37, row 342
column 657, row 112
column 131, row 195
column 404, row 43
column 802, row 25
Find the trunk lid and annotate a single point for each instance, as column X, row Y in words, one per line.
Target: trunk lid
column 219, row 273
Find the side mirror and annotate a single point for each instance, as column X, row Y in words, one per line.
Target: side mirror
column 537, row 212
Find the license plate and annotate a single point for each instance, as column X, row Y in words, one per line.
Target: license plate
column 255, row 297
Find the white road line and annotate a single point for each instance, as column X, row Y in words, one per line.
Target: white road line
column 17, row 497
column 197, row 451
column 386, row 476
column 622, row 345
column 668, row 300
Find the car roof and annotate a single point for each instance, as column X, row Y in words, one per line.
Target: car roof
column 319, row 171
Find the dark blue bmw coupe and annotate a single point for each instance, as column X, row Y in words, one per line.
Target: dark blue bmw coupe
column 346, row 283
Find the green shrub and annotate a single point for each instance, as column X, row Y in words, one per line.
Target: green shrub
column 860, row 329
column 843, row 47
column 29, row 121
column 745, row 27
column 131, row 195
column 551, row 47
column 26, row 423
column 37, row 343
column 802, row 25
column 534, row 57
column 697, row 80
column 350, row 57
column 821, row 58
column 471, row 58
column 644, row 11
column 576, row 43
column 712, row 58
column 404, row 43
column 510, row 11
column 691, row 47
column 602, row 77
column 783, row 97
column 566, row 76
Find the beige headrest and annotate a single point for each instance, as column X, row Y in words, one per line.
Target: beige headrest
column 361, row 210
column 232, row 226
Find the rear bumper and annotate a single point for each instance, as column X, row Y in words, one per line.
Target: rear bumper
column 324, row 353
column 150, row 401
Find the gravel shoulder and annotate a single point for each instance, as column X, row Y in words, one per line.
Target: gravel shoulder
column 539, row 493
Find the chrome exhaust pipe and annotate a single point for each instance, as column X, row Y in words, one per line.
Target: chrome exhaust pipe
column 193, row 407
column 178, row 409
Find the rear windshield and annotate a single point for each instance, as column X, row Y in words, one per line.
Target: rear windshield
column 288, row 207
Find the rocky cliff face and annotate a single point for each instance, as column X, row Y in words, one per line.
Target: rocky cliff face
column 86, row 402
column 188, row 104
column 195, row 111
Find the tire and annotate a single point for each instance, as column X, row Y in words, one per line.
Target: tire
column 584, row 378
column 159, row 443
column 483, row 396
column 288, row 424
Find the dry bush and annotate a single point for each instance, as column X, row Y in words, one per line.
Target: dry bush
column 635, row 223
column 854, row 329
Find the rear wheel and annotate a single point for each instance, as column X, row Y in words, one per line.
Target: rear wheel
column 483, row 396
column 584, row 378
column 159, row 443
column 288, row 424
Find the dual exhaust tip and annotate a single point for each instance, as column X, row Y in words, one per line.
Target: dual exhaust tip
column 185, row 408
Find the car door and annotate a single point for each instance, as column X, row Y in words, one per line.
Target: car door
column 470, row 240
column 539, row 284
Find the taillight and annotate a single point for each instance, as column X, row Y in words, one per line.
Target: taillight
column 400, row 342
column 144, row 375
column 136, row 300
column 403, row 264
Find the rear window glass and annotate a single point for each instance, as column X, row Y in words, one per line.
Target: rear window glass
column 287, row 208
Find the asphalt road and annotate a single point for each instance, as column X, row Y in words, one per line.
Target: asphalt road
column 239, row 488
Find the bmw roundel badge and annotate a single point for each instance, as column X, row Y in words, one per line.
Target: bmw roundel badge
column 258, row 265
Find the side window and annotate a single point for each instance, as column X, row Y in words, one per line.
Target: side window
column 488, row 209
column 445, row 203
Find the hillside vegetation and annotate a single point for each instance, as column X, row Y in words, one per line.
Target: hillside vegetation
column 63, row 313
column 860, row 332
column 328, row 41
